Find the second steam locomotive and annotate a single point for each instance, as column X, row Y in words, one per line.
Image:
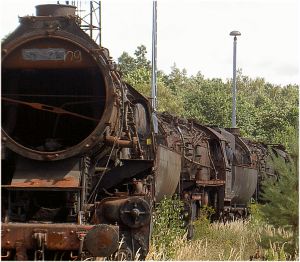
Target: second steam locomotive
column 81, row 165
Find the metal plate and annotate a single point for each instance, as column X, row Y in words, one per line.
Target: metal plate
column 44, row 54
column 58, row 236
column 168, row 172
column 36, row 174
column 244, row 184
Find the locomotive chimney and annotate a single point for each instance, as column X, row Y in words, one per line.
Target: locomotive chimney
column 55, row 10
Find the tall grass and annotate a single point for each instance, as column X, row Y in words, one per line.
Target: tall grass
column 216, row 241
column 234, row 241
column 249, row 239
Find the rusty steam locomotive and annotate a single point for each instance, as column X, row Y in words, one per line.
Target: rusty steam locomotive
column 81, row 165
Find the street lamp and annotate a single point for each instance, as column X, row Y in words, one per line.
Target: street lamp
column 235, row 34
column 154, row 68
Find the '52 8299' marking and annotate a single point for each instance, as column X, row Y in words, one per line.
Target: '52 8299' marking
column 50, row 54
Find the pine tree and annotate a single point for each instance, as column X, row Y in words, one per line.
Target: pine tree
column 281, row 196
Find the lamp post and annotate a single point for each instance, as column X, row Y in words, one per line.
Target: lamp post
column 154, row 67
column 235, row 34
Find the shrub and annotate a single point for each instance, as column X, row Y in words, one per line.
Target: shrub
column 167, row 228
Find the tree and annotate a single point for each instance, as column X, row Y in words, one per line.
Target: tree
column 208, row 101
column 141, row 59
column 281, row 196
column 265, row 112
column 137, row 72
column 126, row 64
column 177, row 80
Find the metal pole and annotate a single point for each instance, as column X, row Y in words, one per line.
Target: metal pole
column 100, row 24
column 235, row 34
column 154, row 57
column 154, row 67
column 91, row 19
column 234, row 85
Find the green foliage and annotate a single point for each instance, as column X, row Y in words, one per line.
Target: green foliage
column 177, row 80
column 265, row 112
column 208, row 101
column 237, row 240
column 282, row 207
column 167, row 226
column 230, row 241
column 277, row 220
column 256, row 216
column 271, row 109
column 289, row 138
column 273, row 241
column 275, row 244
column 276, row 253
column 282, row 196
column 202, row 224
column 128, row 64
column 137, row 72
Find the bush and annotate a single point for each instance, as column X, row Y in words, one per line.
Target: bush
column 167, row 228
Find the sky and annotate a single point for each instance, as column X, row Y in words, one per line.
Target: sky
column 195, row 34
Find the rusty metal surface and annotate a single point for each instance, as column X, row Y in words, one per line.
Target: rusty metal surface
column 108, row 210
column 102, row 240
column 132, row 211
column 168, row 172
column 135, row 212
column 245, row 172
column 55, row 10
column 48, row 53
column 21, row 254
column 129, row 169
column 62, row 98
column 59, row 236
column 55, row 43
column 213, row 132
column 112, row 140
column 245, row 183
column 212, row 182
column 201, row 147
column 36, row 174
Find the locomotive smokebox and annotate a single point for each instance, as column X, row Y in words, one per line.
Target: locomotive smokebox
column 58, row 94
column 55, row 10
